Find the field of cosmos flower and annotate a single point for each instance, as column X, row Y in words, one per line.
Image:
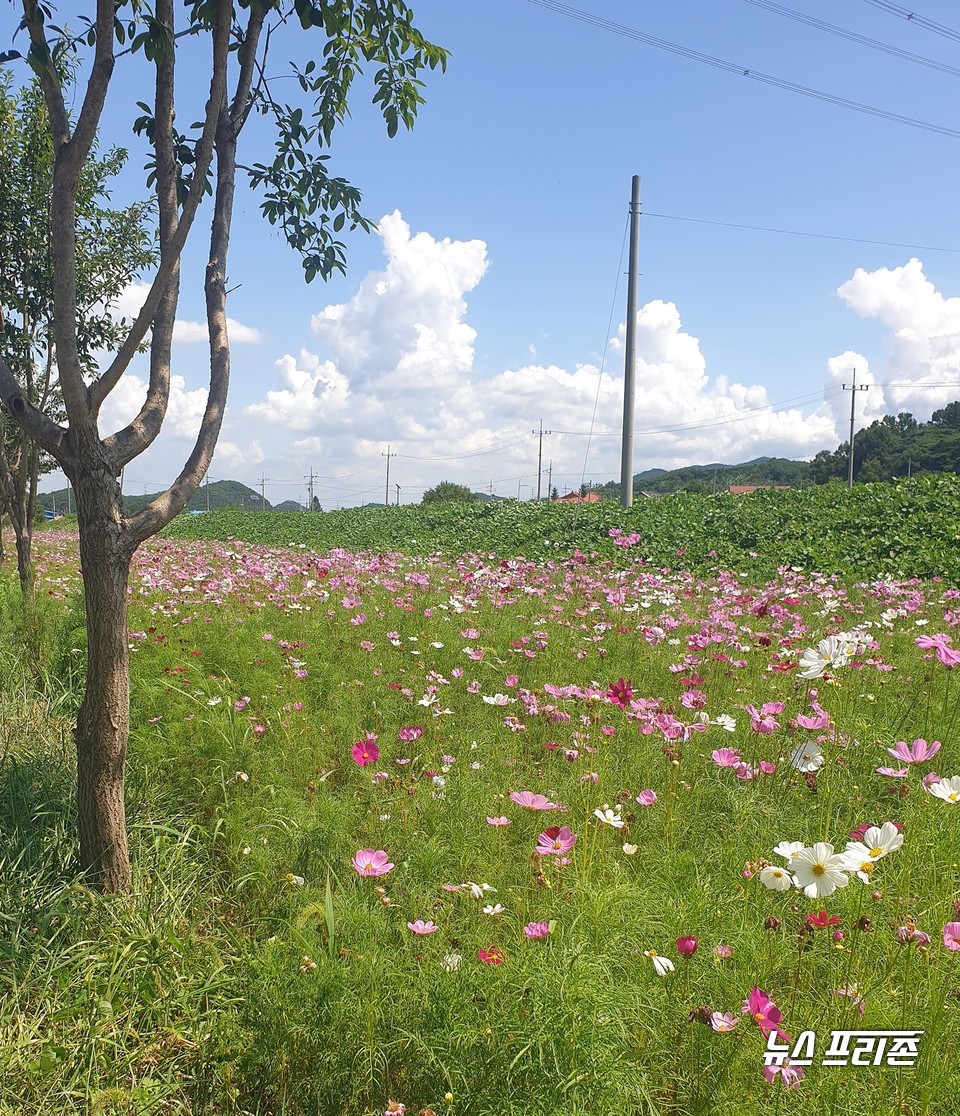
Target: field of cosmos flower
column 479, row 835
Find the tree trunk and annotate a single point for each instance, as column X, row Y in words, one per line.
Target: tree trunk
column 103, row 722
column 24, row 540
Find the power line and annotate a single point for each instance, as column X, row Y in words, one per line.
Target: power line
column 741, row 71
column 800, row 232
column 916, row 19
column 854, row 37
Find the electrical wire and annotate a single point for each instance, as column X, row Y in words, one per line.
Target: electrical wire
column 855, row 37
column 916, row 19
column 799, row 232
column 741, row 71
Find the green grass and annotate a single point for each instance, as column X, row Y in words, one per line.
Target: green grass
column 225, row 985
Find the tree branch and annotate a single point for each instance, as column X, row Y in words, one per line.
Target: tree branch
column 105, row 383
column 43, row 430
column 149, row 520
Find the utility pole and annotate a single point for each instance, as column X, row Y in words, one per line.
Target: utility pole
column 541, row 432
column 310, row 481
column 550, row 480
column 853, row 389
column 398, row 495
column 518, row 490
column 387, row 455
column 630, row 357
column 263, row 498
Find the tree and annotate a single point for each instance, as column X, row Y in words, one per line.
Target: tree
column 299, row 195
column 113, row 247
column 446, row 492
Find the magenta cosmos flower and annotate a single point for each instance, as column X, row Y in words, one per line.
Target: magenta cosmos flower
column 555, row 841
column 620, row 693
column 536, row 930
column 917, row 752
column 687, row 946
column 371, row 862
column 951, row 936
column 646, row 798
column 498, row 821
column 411, row 732
column 764, row 1013
column 725, row 757
column 366, row 751
column 530, row 801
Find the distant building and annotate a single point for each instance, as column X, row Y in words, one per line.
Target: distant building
column 744, row 489
column 576, row 498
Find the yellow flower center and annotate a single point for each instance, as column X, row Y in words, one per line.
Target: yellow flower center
column 759, row 1016
column 817, row 870
column 876, row 852
column 867, row 867
column 954, row 796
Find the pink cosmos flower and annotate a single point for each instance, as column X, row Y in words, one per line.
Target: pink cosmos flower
column 941, row 645
column 411, row 732
column 764, row 1013
column 555, row 841
column 687, row 946
column 371, row 862
column 725, row 757
column 765, row 719
column 894, row 772
column 951, row 936
column 918, row 752
column 536, row 930
column 789, row 1075
column 491, row 956
column 421, row 927
column 722, row 951
column 646, row 798
column 498, row 821
column 366, row 751
column 530, row 801
column 852, row 993
column 620, row 693
column 722, row 1022
column 930, row 778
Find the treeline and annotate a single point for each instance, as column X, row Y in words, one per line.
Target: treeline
column 896, row 447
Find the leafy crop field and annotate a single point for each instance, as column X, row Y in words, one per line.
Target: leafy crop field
column 461, row 834
column 908, row 529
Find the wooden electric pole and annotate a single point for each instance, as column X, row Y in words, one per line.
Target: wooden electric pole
column 630, row 357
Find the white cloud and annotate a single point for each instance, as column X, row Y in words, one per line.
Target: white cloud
column 184, row 410
column 922, row 370
column 314, row 393
column 131, row 299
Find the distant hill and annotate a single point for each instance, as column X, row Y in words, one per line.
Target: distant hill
column 716, row 476
column 213, row 496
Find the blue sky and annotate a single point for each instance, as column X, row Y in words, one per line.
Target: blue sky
column 494, row 289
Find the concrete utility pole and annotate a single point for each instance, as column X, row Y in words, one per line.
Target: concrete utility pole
column 387, row 455
column 541, row 432
column 398, row 495
column 853, row 389
column 263, row 498
column 309, row 481
column 630, row 358
column 550, row 480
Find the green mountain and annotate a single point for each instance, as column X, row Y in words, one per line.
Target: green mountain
column 208, row 497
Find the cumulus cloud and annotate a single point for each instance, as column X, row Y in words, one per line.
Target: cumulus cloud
column 922, row 368
column 314, row 392
column 400, row 371
column 184, row 411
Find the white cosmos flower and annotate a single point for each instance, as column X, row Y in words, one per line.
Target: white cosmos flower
column 819, row 871
column 494, row 909
column 725, row 721
column 807, row 757
column 789, row 849
column 947, row 789
column 477, row 890
column 830, row 653
column 662, row 965
column 496, row 699
column 776, row 878
column 609, row 817
column 882, row 840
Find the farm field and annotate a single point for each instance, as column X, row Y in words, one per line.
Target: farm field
column 460, row 832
